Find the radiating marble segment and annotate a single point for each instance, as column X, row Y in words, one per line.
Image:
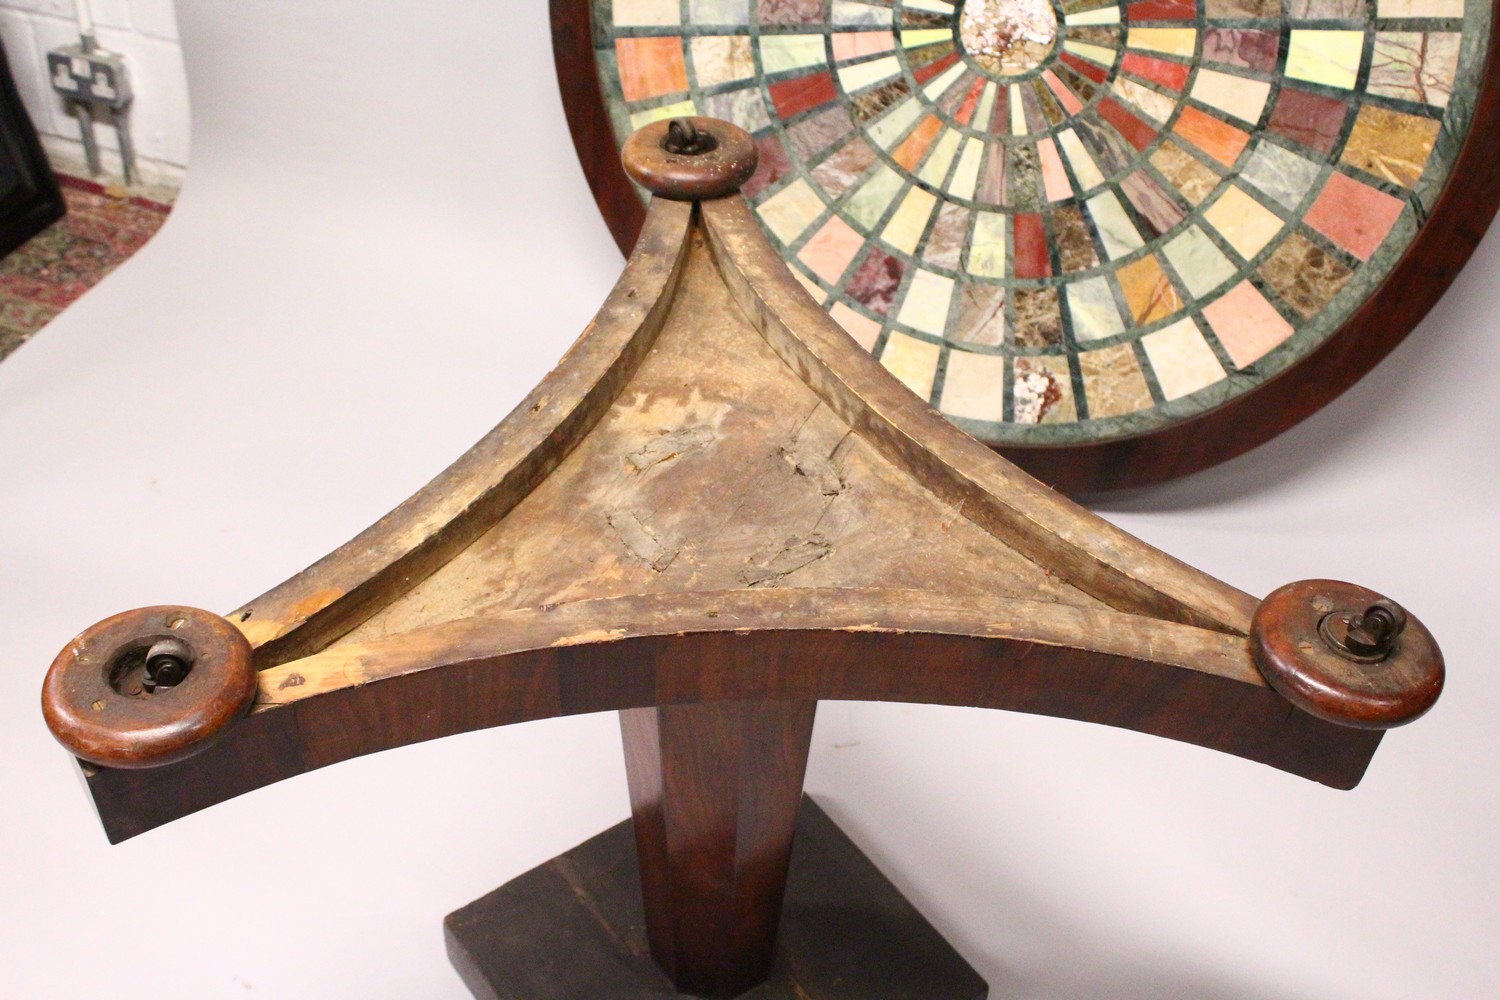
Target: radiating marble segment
column 980, row 317
column 789, row 212
column 986, row 109
column 1353, row 215
column 1169, row 41
column 719, row 11
column 1185, row 172
column 992, row 191
column 964, row 102
column 873, row 103
column 904, row 231
column 941, row 84
column 935, row 170
column 1218, row 139
column 1093, row 53
column 893, row 126
column 1070, row 235
column 790, row 11
column 856, row 44
column 1391, row 144
column 934, row 6
column 1325, row 10
column 1148, row 291
column 1031, row 256
column 793, row 95
column 773, row 167
column 641, row 119
column 910, row 151
column 966, row 174
column 743, row 107
column 633, row 13
column 650, row 67
column 875, row 282
column 945, row 244
column 1246, row 324
column 812, row 135
column 1182, row 360
column 867, row 74
column 1156, row 106
column 1113, row 384
column 1314, row 120
column 722, row 58
column 1091, row 304
column 1305, row 275
column 1237, row 96
column 1079, row 159
column 1239, row 9
column 1420, row 8
column 1023, row 178
column 1115, row 229
column 1415, row 66
column 1162, row 10
column 840, row 171
column 912, row 361
column 1248, row 48
column 863, row 329
column 987, row 249
column 1042, row 391
column 1152, row 201
column 925, row 307
column 1245, row 223
column 779, row 53
column 1169, row 75
column 1017, row 110
column 1068, row 99
column 924, row 36
column 831, row 250
column 1054, row 177
column 1038, row 317
column 1133, row 128
column 1100, row 15
column 1201, row 265
column 1331, row 58
column 846, row 13
column 974, row 386
column 1110, row 150
column 1282, row 174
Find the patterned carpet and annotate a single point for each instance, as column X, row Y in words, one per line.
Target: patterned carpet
column 98, row 234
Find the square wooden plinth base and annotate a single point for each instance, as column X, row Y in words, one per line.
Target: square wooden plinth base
column 574, row 929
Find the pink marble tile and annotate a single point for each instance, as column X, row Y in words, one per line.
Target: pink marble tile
column 1246, row 324
column 831, row 249
column 1353, row 215
column 1054, row 177
column 853, row 44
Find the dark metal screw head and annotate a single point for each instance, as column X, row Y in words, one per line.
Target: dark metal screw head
column 685, row 139
column 1368, row 637
column 168, row 662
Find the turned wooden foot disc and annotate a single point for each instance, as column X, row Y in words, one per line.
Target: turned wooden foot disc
column 149, row 687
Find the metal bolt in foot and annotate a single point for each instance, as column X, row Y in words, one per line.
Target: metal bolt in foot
column 1367, row 637
column 685, row 139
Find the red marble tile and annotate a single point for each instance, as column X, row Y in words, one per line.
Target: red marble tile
column 1171, row 75
column 1222, row 141
column 1069, row 99
column 874, row 285
column 1355, row 216
column 1000, row 120
column 650, row 67
column 932, row 69
column 792, row 97
column 1311, row 119
column 1163, row 10
column 1093, row 71
column 1136, row 132
column 1033, row 260
column 966, row 109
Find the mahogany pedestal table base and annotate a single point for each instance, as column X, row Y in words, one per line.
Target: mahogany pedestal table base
column 717, row 511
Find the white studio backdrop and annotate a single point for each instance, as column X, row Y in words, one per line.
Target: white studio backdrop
column 370, row 264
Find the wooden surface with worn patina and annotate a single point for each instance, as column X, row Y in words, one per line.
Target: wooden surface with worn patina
column 715, row 512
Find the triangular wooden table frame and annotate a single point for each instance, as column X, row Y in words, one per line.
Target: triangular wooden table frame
column 716, row 511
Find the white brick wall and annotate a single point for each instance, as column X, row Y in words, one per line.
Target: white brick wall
column 145, row 32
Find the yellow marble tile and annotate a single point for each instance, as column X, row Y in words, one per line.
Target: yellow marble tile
column 1103, row 15
column 974, row 386
column 791, row 210
column 987, row 249
column 722, row 58
column 1245, row 223
column 1331, row 58
column 1084, row 168
column 904, row 231
column 926, row 304
column 916, row 38
column 912, row 361
column 862, row 75
column 1172, row 41
column 647, row 12
column 1093, row 53
column 1182, row 360
column 966, row 177
column 1243, row 98
column 779, row 53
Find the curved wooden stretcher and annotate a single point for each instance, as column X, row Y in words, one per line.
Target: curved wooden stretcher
column 717, row 511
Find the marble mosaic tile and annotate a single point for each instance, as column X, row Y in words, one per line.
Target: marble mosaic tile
column 1178, row 187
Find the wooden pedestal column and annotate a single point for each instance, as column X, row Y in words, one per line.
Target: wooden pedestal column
column 714, row 789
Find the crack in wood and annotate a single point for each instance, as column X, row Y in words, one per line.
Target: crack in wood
column 643, row 543
column 669, row 445
column 792, row 555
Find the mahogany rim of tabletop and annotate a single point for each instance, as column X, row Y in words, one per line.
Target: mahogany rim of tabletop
column 1442, row 246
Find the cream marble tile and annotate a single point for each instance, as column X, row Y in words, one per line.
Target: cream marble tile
column 1245, row 223
column 868, row 204
column 1083, row 165
column 1331, row 58
column 904, row 231
column 791, row 210
column 719, row 11
column 862, row 75
column 912, row 361
column 682, row 109
column 1420, row 8
column 1101, row 15
column 935, row 170
column 779, row 53
column 1234, row 95
column 1115, row 229
column 633, row 13
column 1093, row 53
column 974, row 386
column 889, row 130
column 925, row 307
column 1182, row 360
column 987, row 248
column 1091, row 303
column 1172, row 41
column 966, row 176
column 722, row 58
column 847, row 13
